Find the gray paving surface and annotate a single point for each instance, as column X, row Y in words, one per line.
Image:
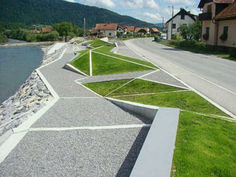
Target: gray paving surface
column 75, row 153
column 163, row 77
column 113, row 77
column 81, row 112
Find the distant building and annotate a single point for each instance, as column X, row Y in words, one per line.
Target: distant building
column 130, row 29
column 155, row 31
column 122, row 29
column 218, row 19
column 182, row 17
column 34, row 31
column 105, row 30
column 46, row 30
column 144, row 30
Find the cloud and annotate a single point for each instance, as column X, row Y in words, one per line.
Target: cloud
column 182, row 2
column 152, row 17
column 98, row 3
column 71, row 1
column 138, row 4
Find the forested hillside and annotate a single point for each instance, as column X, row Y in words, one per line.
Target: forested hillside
column 54, row 11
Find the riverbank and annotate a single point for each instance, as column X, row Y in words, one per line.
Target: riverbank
column 26, row 44
column 31, row 96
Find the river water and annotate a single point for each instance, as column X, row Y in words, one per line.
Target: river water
column 16, row 65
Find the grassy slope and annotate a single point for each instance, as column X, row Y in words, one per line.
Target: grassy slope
column 103, row 88
column 82, row 62
column 204, row 147
column 103, row 65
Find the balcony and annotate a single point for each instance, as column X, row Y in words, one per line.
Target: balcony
column 205, row 16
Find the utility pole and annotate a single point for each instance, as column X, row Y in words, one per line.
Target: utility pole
column 84, row 28
column 171, row 28
column 163, row 19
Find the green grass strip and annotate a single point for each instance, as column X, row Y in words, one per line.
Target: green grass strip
column 82, row 62
column 189, row 101
column 106, row 50
column 140, row 86
column 204, row 147
column 98, row 42
column 103, row 65
column 103, row 88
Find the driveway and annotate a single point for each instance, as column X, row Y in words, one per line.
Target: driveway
column 209, row 75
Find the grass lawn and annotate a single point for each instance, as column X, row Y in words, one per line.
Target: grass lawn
column 103, row 65
column 204, row 147
column 82, row 62
column 107, row 49
column 139, row 86
column 106, row 62
column 98, row 42
column 103, row 88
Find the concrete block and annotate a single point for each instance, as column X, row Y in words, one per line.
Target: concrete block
column 155, row 158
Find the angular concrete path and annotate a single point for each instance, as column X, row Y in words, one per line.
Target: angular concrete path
column 79, row 134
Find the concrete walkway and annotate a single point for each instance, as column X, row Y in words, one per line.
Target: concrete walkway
column 79, row 134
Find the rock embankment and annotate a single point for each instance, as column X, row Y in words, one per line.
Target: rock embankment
column 31, row 96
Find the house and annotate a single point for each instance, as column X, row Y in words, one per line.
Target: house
column 34, row 31
column 130, row 29
column 155, row 31
column 46, row 30
column 142, row 31
column 218, row 19
column 122, row 29
column 106, row 29
column 182, row 17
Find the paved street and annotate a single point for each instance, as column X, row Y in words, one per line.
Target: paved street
column 209, row 75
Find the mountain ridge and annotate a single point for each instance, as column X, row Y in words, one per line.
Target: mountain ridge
column 54, row 11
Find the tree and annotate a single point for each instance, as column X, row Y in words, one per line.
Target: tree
column 192, row 31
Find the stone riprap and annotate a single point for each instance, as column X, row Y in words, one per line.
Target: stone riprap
column 31, row 96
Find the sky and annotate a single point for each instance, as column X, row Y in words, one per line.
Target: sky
column 153, row 11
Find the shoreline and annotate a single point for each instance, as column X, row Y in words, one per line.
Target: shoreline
column 31, row 96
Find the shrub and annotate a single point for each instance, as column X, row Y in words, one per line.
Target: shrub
column 224, row 37
column 233, row 52
column 205, row 36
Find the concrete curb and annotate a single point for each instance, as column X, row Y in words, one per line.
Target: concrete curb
column 155, row 157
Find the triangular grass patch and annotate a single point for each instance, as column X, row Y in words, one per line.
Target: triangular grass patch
column 106, row 50
column 103, row 88
column 82, row 62
column 140, row 86
column 103, row 65
column 189, row 101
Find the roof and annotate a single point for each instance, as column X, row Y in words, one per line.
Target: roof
column 155, row 30
column 203, row 2
column 183, row 11
column 106, row 26
column 228, row 13
column 46, row 30
column 138, row 29
column 130, row 28
column 34, row 31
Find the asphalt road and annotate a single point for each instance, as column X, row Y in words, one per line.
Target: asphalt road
column 209, row 75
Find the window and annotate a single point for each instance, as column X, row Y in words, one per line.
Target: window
column 225, row 30
column 209, row 8
column 173, row 26
column 109, row 34
column 182, row 16
column 207, row 30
